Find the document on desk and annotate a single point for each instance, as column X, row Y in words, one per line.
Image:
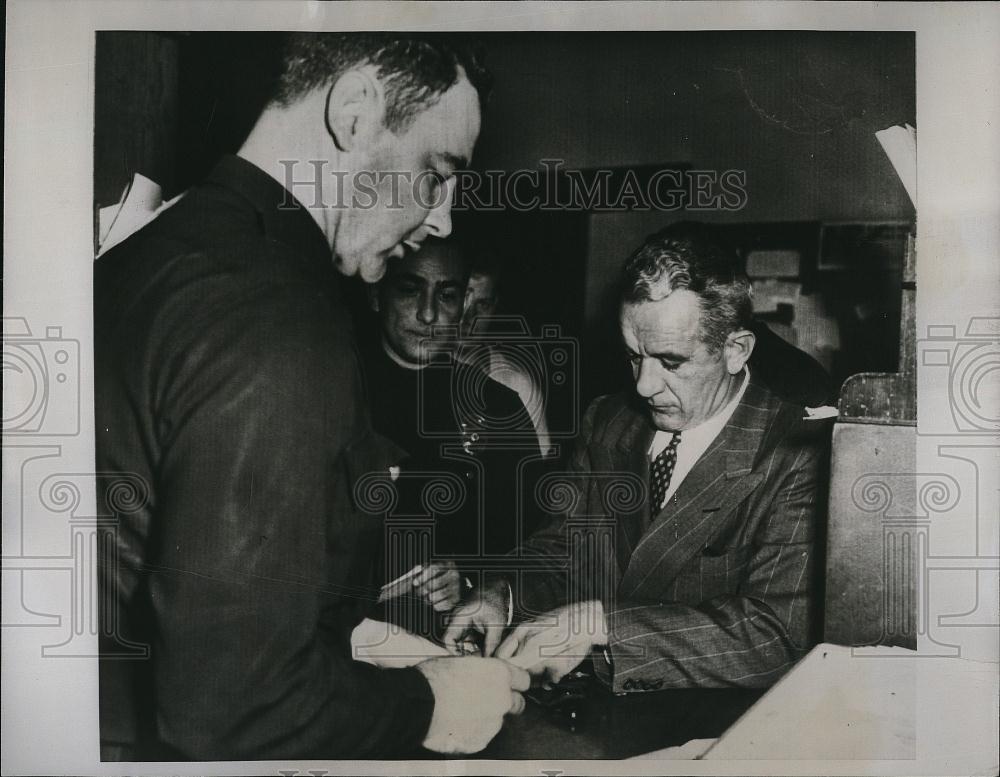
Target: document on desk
column 842, row 704
column 691, row 750
column 390, row 647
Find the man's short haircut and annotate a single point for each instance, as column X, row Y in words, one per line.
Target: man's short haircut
column 447, row 247
column 689, row 256
column 416, row 70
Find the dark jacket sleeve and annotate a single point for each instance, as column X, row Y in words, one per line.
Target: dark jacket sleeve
column 258, row 547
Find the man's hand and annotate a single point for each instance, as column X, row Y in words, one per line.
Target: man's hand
column 554, row 644
column 485, row 613
column 471, row 697
column 440, row 585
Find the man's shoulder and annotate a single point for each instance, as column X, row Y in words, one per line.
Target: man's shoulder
column 511, row 372
column 208, row 253
column 786, row 423
column 790, row 372
column 610, row 413
column 608, row 416
column 495, row 394
column 209, row 223
column 176, row 290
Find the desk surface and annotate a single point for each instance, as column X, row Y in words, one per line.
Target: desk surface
column 609, row 726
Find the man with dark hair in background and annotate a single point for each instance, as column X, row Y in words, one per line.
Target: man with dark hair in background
column 708, row 579
column 227, row 379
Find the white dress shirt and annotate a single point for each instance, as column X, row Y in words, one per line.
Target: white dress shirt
column 695, row 441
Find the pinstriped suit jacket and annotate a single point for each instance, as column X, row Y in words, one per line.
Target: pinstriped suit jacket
column 717, row 589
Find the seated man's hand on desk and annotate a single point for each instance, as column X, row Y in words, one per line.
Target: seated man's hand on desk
column 486, row 612
column 554, row 644
column 471, row 697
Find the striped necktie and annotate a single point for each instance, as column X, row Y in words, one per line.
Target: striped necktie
column 661, row 472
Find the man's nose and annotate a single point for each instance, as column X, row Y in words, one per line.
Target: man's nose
column 438, row 221
column 647, row 382
column 427, row 311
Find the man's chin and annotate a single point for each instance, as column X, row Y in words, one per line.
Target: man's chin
column 372, row 271
column 666, row 421
column 370, row 268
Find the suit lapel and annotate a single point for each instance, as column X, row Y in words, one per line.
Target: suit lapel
column 720, row 480
column 630, row 454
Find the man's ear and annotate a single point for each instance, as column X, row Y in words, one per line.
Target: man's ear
column 738, row 347
column 354, row 108
column 373, row 300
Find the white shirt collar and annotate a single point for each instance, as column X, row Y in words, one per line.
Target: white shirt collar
column 404, row 363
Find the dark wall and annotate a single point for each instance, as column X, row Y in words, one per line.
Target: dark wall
column 796, row 110
column 135, row 111
column 224, row 82
column 169, row 104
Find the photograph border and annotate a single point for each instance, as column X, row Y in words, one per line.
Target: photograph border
column 49, row 719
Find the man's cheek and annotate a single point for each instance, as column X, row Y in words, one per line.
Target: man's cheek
column 670, row 388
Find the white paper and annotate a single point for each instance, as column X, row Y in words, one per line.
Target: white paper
column 391, row 647
column 900, row 145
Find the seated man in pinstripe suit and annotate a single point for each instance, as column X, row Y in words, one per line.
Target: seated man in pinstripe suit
column 701, row 493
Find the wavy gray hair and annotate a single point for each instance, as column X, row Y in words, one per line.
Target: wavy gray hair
column 689, row 256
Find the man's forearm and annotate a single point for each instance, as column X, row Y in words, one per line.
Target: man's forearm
column 737, row 642
column 292, row 695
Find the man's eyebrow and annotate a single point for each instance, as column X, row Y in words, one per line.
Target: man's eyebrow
column 671, row 356
column 409, row 277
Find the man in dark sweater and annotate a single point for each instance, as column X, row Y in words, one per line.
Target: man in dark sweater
column 227, row 380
